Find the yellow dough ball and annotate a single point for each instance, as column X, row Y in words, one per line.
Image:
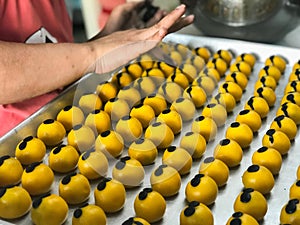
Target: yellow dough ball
column 93, row 164
column 250, row 118
column 203, row 52
column 242, row 219
column 182, row 49
column 217, row 112
column 295, row 74
column 277, row 61
column 172, row 118
column 286, row 125
column 251, row 202
column 259, row 178
column 196, row 94
column 270, row 71
column 49, row 209
column 206, row 83
column 290, row 212
column 144, row 113
column 157, row 102
column 106, row 90
column 150, row 205
column 14, row 202
column 166, row 180
column 266, row 93
column 166, row 68
column 110, row 195
column 178, row 158
column 294, row 190
column 241, row 133
column 290, row 110
column 121, row 79
column 63, row 159
column 130, row 94
column 212, row 73
column 189, row 70
column 10, row 171
column 238, row 78
column 30, row 150
column 134, row 69
column 205, row 126
column 176, row 57
column 241, row 66
column 269, row 158
column 143, row 150
column 185, row 107
column 194, row 143
column 278, row 140
column 146, row 61
column 117, row 108
column 135, row 220
column 296, row 65
column 70, row 116
column 229, row 152
column 51, row 132
column 218, row 64
column 170, row 91
column 196, row 61
column 160, row 134
column 37, row 178
column 259, row 105
column 248, row 58
column 129, row 172
column 232, row 88
column 110, row 143
column 226, row 55
column 89, row 214
column 216, row 169
column 98, row 120
column 90, row 102
column 74, row 188
column 201, row 188
column 81, row 137
column 145, row 86
column 179, row 78
column 226, row 100
column 130, row 128
column 266, row 81
column 293, row 97
column 196, row 214
column 156, row 74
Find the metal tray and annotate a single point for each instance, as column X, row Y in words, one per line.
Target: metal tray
column 223, row 206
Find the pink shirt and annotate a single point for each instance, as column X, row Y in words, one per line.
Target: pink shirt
column 31, row 21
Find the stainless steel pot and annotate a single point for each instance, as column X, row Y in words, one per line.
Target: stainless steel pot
column 254, row 20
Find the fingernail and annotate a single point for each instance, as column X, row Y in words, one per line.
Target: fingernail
column 180, row 6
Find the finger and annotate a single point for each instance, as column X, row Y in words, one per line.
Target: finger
column 183, row 22
column 156, row 18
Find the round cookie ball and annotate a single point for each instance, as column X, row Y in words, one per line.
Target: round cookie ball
column 201, row 188
column 170, row 91
column 196, row 61
column 266, row 81
column 241, row 66
column 63, row 159
column 30, row 150
column 144, row 113
column 185, row 107
column 129, row 172
column 93, row 164
column 205, row 126
column 217, row 112
column 145, row 85
column 290, row 110
column 212, row 73
column 226, row 100
column 130, row 128
column 248, row 58
column 46, row 206
column 295, row 74
column 238, row 78
column 229, row 152
column 81, row 137
column 165, row 180
column 98, row 120
column 166, row 68
column 203, row 52
column 10, row 171
column 259, row 178
column 146, row 61
column 172, row 118
column 294, row 190
column 160, row 134
column 89, row 214
column 110, row 195
column 116, row 108
column 196, row 214
column 90, row 102
column 176, row 57
column 178, row 158
column 143, row 150
column 135, row 220
column 296, row 65
column 278, row 140
column 269, row 158
column 250, row 118
column 182, row 49
column 130, row 94
column 207, row 83
column 290, row 212
column 293, row 97
column 218, row 64
column 298, row 173
column 106, row 90
column 226, row 55
column 194, row 143
column 277, row 61
column 51, row 132
column 14, row 202
column 156, row 74
column 196, row 94
column 286, row 125
column 241, row 133
column 216, row 169
column 232, row 88
column 74, row 188
column 121, row 79
column 242, row 219
column 134, row 69
column 266, row 93
column 179, row 78
column 110, row 143
column 70, row 116
column 251, row 202
column 157, row 102
column 37, row 178
column 270, row 71
column 189, row 70
column 259, row 105
column 150, row 205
